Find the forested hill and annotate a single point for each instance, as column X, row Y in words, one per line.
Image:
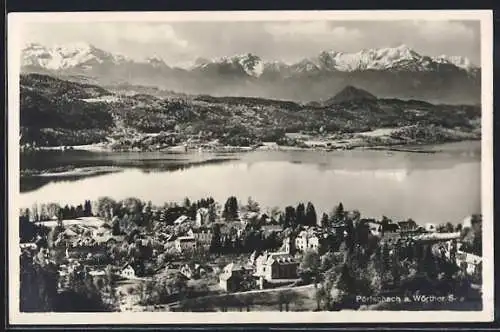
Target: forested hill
column 58, row 112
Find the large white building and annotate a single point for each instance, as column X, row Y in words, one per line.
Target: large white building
column 278, row 265
column 306, row 241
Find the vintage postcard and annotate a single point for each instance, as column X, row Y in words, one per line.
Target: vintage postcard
column 250, row 167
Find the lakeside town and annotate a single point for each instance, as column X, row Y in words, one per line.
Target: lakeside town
column 130, row 255
column 391, row 139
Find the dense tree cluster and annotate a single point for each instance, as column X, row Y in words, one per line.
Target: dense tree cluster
column 300, row 216
column 39, row 288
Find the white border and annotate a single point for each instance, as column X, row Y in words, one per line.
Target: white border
column 15, row 21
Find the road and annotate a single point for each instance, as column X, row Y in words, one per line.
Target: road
column 268, row 290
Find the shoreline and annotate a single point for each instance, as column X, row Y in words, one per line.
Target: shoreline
column 410, row 147
column 70, row 171
column 73, row 171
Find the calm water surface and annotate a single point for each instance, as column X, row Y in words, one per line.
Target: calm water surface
column 439, row 187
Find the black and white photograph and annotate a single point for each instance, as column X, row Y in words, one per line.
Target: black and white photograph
column 250, row 166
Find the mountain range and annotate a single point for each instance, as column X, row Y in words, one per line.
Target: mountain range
column 397, row 72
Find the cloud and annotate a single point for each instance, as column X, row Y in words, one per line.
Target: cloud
column 443, row 30
column 313, row 29
column 144, row 33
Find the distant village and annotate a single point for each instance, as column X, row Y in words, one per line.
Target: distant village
column 130, row 250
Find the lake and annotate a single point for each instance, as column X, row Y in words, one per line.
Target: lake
column 439, row 187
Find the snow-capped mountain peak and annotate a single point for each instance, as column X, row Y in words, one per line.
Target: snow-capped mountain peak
column 377, row 59
column 155, row 61
column 67, row 56
column 84, row 56
column 75, row 47
column 458, row 61
column 250, row 63
column 60, row 56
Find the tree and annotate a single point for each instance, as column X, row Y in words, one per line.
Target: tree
column 79, row 211
column 281, row 220
column 301, row 214
column 53, row 235
column 339, row 213
column 87, row 209
column 115, row 226
column 350, row 237
column 38, row 285
column 216, row 242
column 230, row 211
column 290, row 217
column 43, row 212
column 355, row 216
column 310, row 266
column 212, row 213
column 362, row 233
column 311, row 217
column 321, row 296
column 105, row 207
column 324, row 220
column 274, row 213
column 34, row 212
column 385, row 224
column 248, row 283
column 27, row 229
column 287, row 297
column 252, row 206
column 53, row 210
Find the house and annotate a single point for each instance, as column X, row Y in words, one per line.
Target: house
column 183, row 243
column 407, row 226
column 127, row 272
column 231, row 277
column 250, row 215
column 202, row 236
column 182, row 219
column 391, row 228
column 192, row 271
column 278, row 265
column 102, row 230
column 28, row 245
column 471, row 263
column 69, row 232
column 375, row 228
column 467, row 222
column 202, row 217
column 338, row 228
column 235, row 228
column 97, row 273
column 252, row 259
column 163, row 270
column 430, row 227
column 306, row 240
column 288, row 245
column 269, row 229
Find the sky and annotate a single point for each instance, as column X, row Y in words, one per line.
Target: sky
column 180, row 43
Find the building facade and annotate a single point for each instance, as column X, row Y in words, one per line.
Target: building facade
column 185, row 243
column 128, row 272
column 275, row 266
column 306, row 241
column 231, row 277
